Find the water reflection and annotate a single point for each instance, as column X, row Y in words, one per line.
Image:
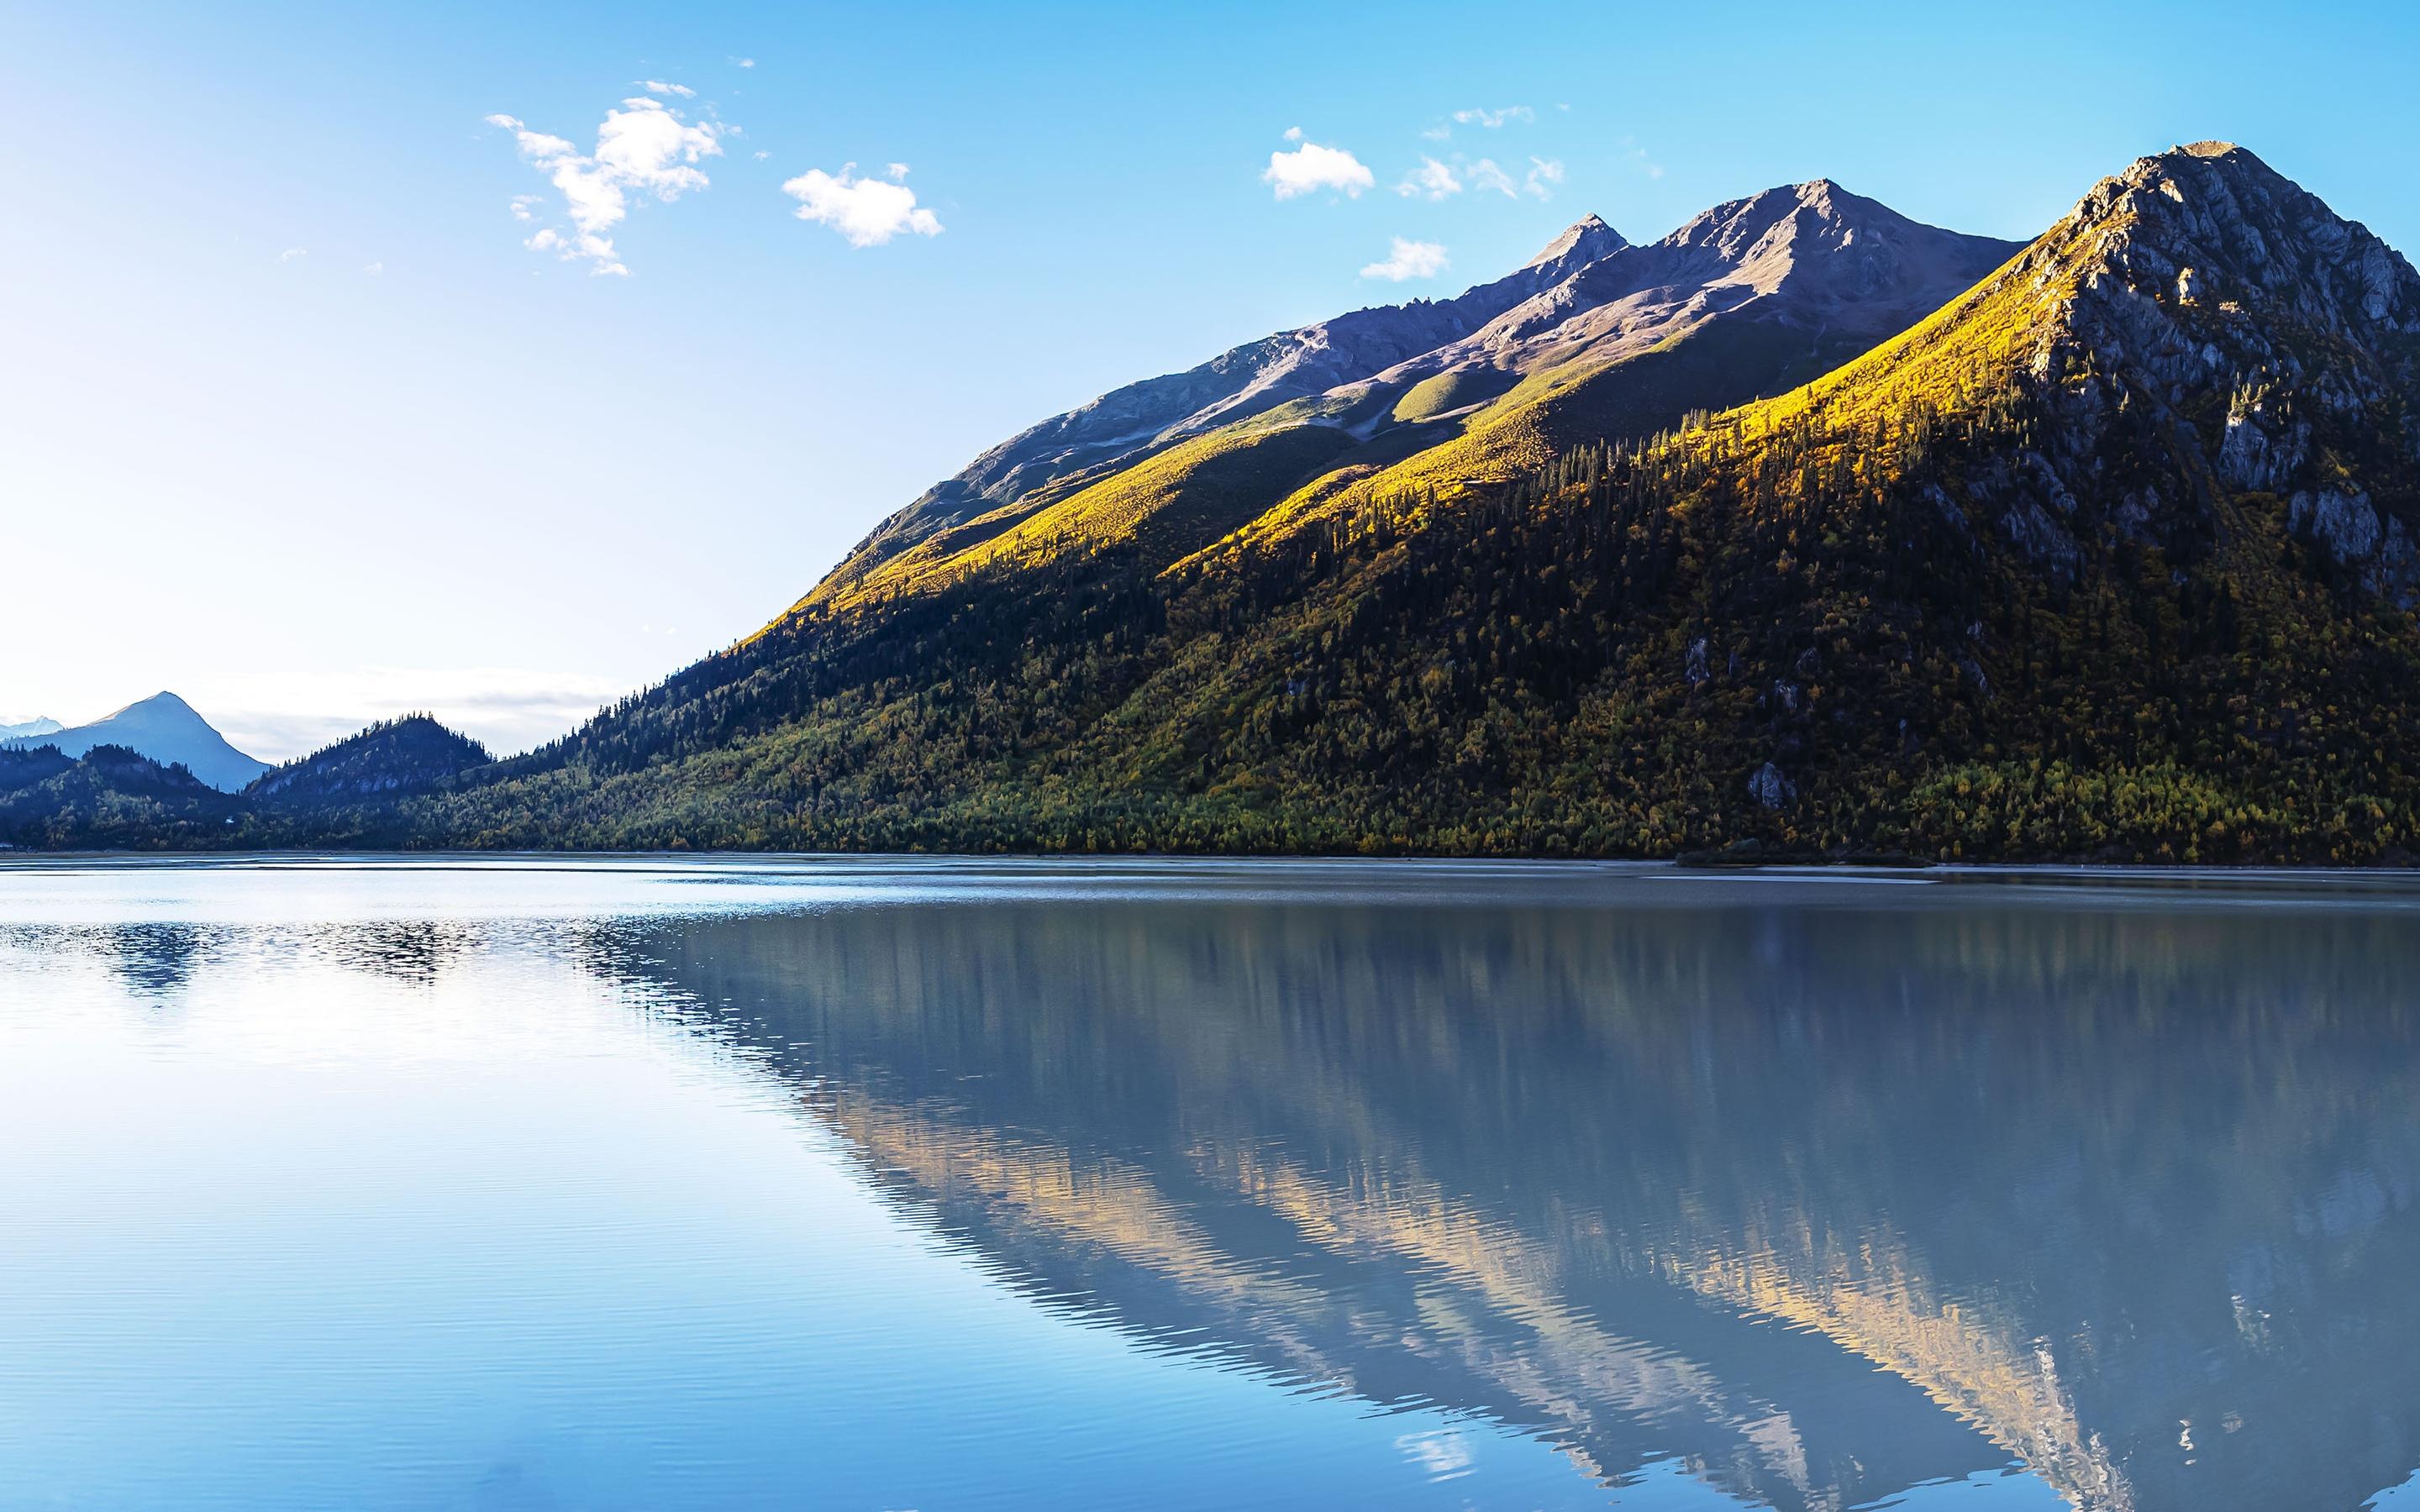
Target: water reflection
column 153, row 961
column 1828, row 1192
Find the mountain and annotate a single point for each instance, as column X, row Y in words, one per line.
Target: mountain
column 108, row 799
column 394, row 756
column 30, row 727
column 1593, row 333
column 164, row 728
column 346, row 795
column 1134, row 422
column 2109, row 555
column 1781, row 535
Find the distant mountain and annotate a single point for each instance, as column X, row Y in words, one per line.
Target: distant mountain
column 30, row 727
column 164, row 728
column 392, row 757
column 113, row 798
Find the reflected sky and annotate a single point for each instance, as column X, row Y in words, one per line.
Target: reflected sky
column 621, row 1184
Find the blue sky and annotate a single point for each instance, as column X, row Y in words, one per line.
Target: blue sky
column 298, row 424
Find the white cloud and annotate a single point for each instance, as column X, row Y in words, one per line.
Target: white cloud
column 278, row 716
column 644, row 147
column 762, row 154
column 1545, row 175
column 1408, row 259
column 1432, row 179
column 1491, row 119
column 896, row 171
column 374, row 268
column 867, row 211
column 1310, row 167
column 743, row 63
column 1484, row 174
column 1443, row 1454
column 657, row 86
column 292, row 253
column 1294, row 133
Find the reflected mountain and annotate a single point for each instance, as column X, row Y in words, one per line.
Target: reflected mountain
column 155, row 960
column 1830, row 1191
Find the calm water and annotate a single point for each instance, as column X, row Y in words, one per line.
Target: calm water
column 876, row 1184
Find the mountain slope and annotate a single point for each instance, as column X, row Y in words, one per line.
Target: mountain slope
column 392, row 757
column 164, row 728
column 2107, row 557
column 1130, row 423
column 30, row 727
column 1748, row 299
column 1594, row 337
column 109, row 798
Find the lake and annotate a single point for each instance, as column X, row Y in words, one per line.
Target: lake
column 525, row 1182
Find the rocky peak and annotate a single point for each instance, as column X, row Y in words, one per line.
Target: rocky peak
column 1583, row 242
column 2205, row 294
column 2211, row 226
column 1834, row 246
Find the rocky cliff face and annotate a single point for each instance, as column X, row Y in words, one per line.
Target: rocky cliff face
column 2201, row 297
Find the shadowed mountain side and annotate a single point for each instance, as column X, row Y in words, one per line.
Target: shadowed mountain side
column 391, row 757
column 2068, row 1176
column 108, row 799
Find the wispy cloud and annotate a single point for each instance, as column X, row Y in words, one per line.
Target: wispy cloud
column 1406, row 258
column 866, row 211
column 1432, row 179
column 1310, row 167
column 743, row 63
column 278, row 717
column 644, row 147
column 290, row 254
column 657, row 86
column 1539, row 180
column 1484, row 174
column 374, row 268
column 1485, row 120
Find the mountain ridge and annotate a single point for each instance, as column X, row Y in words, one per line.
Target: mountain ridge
column 1753, row 280
column 164, row 728
column 1130, row 422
